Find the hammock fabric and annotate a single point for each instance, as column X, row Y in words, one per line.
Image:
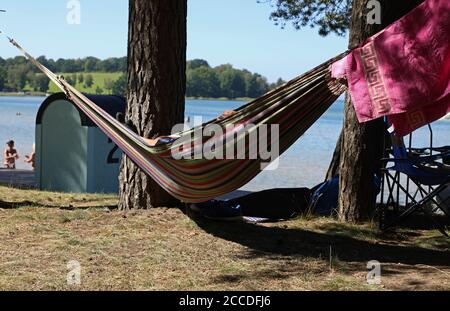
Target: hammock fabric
column 294, row 106
column 404, row 71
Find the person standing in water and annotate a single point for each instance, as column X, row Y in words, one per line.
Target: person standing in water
column 10, row 155
column 31, row 158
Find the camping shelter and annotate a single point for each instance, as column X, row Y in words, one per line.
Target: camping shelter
column 72, row 153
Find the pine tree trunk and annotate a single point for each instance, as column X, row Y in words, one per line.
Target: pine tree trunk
column 156, row 88
column 333, row 170
column 362, row 144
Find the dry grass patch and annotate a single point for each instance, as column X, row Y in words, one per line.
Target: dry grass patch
column 163, row 249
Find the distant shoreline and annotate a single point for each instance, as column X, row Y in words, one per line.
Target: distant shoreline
column 23, row 94
column 241, row 99
column 38, row 94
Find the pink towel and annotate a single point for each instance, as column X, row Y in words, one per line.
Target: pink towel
column 404, row 71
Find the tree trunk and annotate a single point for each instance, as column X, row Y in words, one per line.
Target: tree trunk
column 156, row 88
column 333, row 170
column 362, row 144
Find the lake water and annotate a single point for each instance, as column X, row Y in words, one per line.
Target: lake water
column 303, row 165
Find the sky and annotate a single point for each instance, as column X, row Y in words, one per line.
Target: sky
column 238, row 32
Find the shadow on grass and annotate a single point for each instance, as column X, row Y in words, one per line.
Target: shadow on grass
column 17, row 205
column 275, row 241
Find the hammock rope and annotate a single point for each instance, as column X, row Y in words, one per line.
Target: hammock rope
column 295, row 106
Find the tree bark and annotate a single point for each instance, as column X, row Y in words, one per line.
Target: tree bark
column 156, row 88
column 362, row 144
column 333, row 170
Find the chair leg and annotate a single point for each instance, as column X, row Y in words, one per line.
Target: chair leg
column 417, row 204
column 431, row 198
column 442, row 227
column 411, row 210
column 382, row 207
column 390, row 201
column 445, row 227
column 443, row 206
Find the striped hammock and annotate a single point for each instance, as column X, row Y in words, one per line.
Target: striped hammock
column 294, row 106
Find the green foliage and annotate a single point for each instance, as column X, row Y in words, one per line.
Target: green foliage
column 91, row 64
column 98, row 77
column 120, row 86
column 256, row 85
column 70, row 80
column 203, row 81
column 232, row 83
column 88, row 64
column 74, row 78
column 39, row 83
column 17, row 77
column 279, row 83
column 330, row 16
column 98, row 90
column 109, row 84
column 222, row 81
column 88, row 80
column 3, row 75
column 197, row 63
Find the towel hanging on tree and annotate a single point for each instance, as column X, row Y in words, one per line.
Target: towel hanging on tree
column 404, row 71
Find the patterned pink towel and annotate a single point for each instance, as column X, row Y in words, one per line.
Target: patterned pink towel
column 404, row 71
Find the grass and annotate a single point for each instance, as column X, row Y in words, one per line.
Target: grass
column 99, row 81
column 163, row 249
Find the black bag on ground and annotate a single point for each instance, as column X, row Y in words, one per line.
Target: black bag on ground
column 274, row 203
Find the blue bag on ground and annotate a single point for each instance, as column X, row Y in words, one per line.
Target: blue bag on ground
column 325, row 197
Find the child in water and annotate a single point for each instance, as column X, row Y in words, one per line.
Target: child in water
column 10, row 155
column 31, row 159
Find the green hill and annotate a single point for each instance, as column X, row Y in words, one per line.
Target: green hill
column 100, row 79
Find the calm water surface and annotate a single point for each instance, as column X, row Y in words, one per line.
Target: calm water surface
column 303, row 165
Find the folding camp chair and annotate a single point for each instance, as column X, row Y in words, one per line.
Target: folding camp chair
column 427, row 173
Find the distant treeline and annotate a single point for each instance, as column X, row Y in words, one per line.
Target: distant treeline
column 18, row 75
column 224, row 81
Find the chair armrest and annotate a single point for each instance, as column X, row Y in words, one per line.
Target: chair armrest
column 418, row 161
column 444, row 149
column 431, row 157
column 395, row 160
